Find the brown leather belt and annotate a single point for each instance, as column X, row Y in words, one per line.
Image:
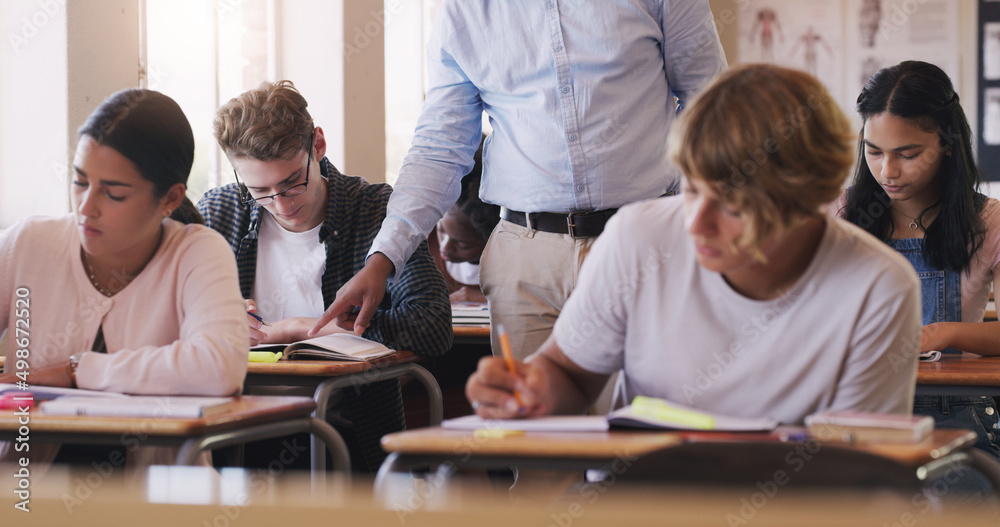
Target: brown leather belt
column 579, row 224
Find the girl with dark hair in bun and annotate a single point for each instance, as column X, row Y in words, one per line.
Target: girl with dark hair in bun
column 126, row 293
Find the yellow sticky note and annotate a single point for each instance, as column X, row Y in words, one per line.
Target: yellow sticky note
column 494, row 433
column 265, row 356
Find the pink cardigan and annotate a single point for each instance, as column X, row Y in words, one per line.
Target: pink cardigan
column 178, row 328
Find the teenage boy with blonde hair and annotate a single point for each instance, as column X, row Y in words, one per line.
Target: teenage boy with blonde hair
column 740, row 297
column 300, row 229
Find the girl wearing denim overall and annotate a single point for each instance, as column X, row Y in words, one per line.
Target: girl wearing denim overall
column 916, row 187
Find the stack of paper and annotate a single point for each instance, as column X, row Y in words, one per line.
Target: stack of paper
column 470, row 313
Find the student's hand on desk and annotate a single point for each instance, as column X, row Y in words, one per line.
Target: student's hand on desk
column 58, row 374
column 365, row 290
column 257, row 334
column 295, row 329
column 935, row 336
column 491, row 389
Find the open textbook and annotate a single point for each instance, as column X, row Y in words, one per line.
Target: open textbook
column 337, row 346
column 644, row 412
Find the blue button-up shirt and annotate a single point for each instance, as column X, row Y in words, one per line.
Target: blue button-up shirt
column 580, row 94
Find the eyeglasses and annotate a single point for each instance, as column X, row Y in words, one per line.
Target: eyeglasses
column 290, row 192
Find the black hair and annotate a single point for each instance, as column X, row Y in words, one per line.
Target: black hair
column 923, row 94
column 151, row 131
column 483, row 216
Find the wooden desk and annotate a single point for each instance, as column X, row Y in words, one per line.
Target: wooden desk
column 328, row 376
column 472, row 334
column 578, row 451
column 964, row 374
column 253, row 418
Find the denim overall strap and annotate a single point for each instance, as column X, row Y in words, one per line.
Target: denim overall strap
column 941, row 301
column 940, row 290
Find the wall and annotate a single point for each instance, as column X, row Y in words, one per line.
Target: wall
column 58, row 61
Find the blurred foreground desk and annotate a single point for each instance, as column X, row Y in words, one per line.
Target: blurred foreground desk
column 959, row 374
column 200, row 496
column 252, row 418
column 328, row 376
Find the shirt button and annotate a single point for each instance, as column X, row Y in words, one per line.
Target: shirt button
column 990, row 410
column 579, row 188
column 549, row 5
column 558, row 47
column 572, row 137
column 565, row 89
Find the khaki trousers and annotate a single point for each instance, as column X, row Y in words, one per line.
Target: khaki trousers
column 527, row 276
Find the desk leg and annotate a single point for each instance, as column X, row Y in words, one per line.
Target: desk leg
column 326, row 388
column 972, row 458
column 987, row 466
column 434, row 396
column 317, row 428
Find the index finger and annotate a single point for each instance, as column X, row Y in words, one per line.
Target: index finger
column 337, row 308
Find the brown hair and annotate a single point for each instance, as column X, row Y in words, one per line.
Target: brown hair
column 266, row 123
column 770, row 141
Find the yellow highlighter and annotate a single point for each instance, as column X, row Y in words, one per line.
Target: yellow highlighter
column 265, row 356
column 660, row 410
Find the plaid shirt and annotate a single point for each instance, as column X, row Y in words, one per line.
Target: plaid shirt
column 415, row 313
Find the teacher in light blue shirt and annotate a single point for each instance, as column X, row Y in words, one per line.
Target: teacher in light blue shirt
column 580, row 95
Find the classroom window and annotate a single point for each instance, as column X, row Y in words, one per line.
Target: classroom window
column 202, row 54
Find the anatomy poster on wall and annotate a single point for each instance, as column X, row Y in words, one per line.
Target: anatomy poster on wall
column 881, row 33
column 803, row 35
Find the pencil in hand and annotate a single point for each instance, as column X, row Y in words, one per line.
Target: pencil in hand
column 509, row 359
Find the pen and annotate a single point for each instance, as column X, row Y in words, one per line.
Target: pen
column 258, row 317
column 509, row 358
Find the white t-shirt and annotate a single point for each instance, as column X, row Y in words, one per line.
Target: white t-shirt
column 290, row 265
column 845, row 336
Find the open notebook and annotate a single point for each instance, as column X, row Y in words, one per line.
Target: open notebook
column 644, row 412
column 338, row 346
column 175, row 406
column 74, row 401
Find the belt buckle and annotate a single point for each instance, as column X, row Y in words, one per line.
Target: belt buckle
column 571, row 227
